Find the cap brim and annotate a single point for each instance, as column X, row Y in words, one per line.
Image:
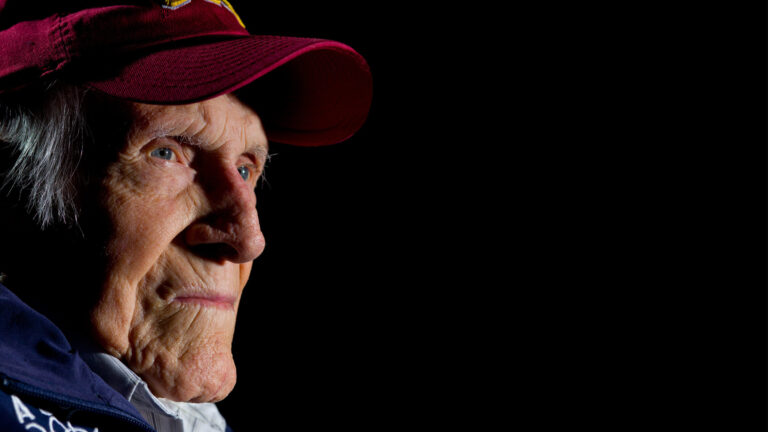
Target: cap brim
column 319, row 94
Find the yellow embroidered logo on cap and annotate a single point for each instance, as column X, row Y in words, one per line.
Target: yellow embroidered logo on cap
column 175, row 4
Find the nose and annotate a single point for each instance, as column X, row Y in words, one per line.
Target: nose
column 230, row 230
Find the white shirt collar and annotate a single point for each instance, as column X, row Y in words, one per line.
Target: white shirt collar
column 163, row 414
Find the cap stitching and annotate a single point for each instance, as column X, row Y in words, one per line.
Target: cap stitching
column 61, row 44
column 239, row 67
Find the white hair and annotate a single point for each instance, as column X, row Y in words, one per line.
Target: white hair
column 46, row 131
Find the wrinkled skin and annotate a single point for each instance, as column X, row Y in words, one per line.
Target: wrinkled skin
column 182, row 232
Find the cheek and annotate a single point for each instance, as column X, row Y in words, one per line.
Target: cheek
column 141, row 231
column 143, row 213
column 149, row 179
column 147, row 203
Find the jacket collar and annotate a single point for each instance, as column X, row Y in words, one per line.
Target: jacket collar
column 35, row 352
column 163, row 414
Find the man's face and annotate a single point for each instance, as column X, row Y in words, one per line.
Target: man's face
column 182, row 234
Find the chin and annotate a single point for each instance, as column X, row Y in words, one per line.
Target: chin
column 197, row 378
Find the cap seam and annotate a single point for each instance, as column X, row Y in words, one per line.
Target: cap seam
column 62, row 48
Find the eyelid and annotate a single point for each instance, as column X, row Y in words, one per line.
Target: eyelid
column 251, row 160
column 171, row 143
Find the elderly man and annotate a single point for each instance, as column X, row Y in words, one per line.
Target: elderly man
column 133, row 135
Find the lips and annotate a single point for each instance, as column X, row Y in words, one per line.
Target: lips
column 213, row 301
column 217, row 290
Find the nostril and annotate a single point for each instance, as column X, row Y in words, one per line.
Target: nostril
column 226, row 235
column 214, row 251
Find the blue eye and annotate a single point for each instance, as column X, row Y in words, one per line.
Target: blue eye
column 163, row 153
column 245, row 173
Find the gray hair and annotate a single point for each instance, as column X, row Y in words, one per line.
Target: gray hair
column 46, row 131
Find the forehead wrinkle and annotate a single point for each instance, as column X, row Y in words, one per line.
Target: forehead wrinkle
column 208, row 121
column 256, row 145
column 257, row 142
column 238, row 122
column 154, row 121
column 217, row 128
column 203, row 126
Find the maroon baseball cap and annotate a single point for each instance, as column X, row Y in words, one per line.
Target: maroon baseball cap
column 184, row 51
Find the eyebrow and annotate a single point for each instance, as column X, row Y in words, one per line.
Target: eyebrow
column 261, row 151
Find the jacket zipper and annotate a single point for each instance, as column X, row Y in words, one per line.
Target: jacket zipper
column 35, row 392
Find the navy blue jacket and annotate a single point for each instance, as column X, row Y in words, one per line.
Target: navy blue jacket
column 46, row 386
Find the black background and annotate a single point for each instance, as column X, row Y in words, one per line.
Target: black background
column 350, row 318
column 555, row 212
column 556, row 209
